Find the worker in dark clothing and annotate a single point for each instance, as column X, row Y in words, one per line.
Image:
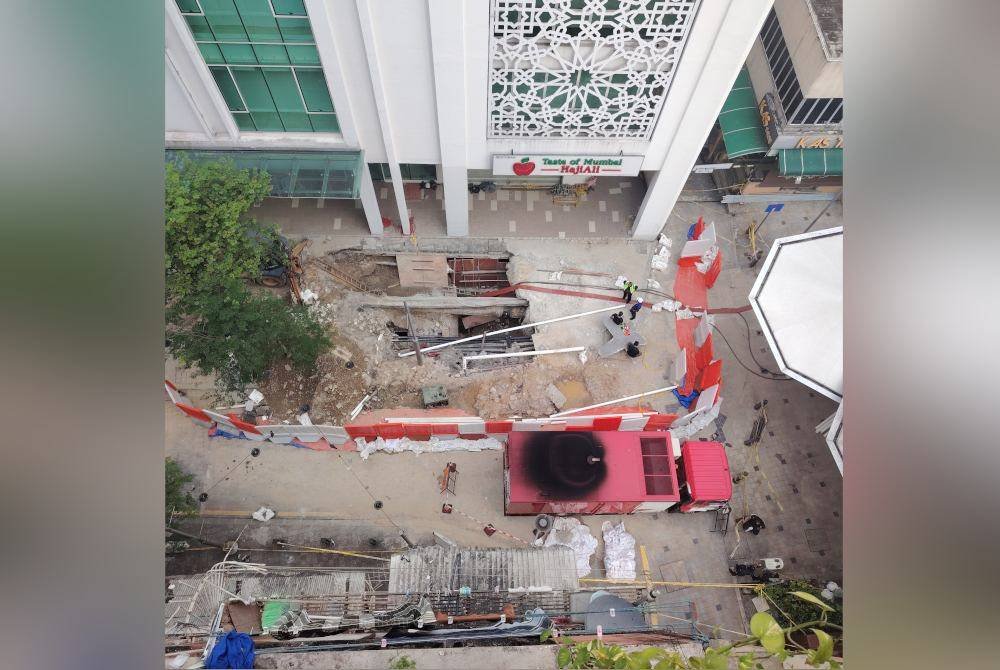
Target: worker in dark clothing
column 632, row 349
column 753, row 524
column 741, row 570
column 634, row 309
column 618, row 318
column 629, row 288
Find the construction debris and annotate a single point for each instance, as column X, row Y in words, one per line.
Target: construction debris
column 523, row 326
column 263, row 514
column 556, row 396
column 514, row 354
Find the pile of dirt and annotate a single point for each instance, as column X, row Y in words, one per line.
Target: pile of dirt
column 341, row 381
column 286, row 389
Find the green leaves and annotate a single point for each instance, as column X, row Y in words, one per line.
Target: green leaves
column 766, row 629
column 810, row 598
column 546, row 634
column 564, row 656
column 640, row 660
column 793, row 609
column 238, row 335
column 714, row 659
column 179, row 502
column 207, row 236
column 822, row 654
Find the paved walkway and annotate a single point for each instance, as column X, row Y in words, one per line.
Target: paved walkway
column 608, row 211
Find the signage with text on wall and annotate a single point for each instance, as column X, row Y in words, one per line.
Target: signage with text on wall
column 545, row 165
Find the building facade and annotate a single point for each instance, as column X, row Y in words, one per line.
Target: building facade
column 332, row 97
column 794, row 78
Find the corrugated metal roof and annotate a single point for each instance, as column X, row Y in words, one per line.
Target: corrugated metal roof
column 446, row 570
column 706, row 469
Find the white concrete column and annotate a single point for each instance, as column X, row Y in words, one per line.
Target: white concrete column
column 321, row 19
column 739, row 28
column 322, row 28
column 382, row 107
column 447, row 19
column 369, row 202
column 192, row 73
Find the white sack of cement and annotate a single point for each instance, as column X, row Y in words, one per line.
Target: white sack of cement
column 619, row 551
column 263, row 514
column 569, row 532
column 434, row 445
column 309, row 296
column 620, row 282
column 666, row 241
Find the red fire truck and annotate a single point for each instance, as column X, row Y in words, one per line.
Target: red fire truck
column 595, row 472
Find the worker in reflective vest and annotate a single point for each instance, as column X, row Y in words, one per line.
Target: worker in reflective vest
column 629, row 289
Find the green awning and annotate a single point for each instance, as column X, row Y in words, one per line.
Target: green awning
column 295, row 174
column 811, row 162
column 740, row 120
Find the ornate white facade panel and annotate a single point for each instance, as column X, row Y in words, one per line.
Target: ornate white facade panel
column 583, row 68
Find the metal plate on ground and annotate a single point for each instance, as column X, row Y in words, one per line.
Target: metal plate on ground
column 422, row 270
column 817, row 539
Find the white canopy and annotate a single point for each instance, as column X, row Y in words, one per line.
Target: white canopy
column 799, row 301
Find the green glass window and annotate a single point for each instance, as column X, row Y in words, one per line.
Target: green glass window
column 251, row 47
column 294, row 174
column 409, row 171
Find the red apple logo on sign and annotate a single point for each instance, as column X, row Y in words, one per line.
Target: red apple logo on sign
column 524, row 167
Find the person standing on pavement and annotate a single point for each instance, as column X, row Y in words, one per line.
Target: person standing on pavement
column 634, row 309
column 628, row 290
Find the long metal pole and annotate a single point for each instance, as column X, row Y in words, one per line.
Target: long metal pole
column 511, row 329
column 413, row 334
column 612, row 402
column 809, row 227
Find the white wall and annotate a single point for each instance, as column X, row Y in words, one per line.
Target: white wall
column 181, row 114
column 717, row 45
column 716, row 53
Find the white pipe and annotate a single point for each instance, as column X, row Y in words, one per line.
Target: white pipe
column 612, row 402
column 357, row 408
column 540, row 352
column 424, row 350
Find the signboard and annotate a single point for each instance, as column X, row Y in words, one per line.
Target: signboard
column 813, row 141
column 774, row 207
column 711, row 167
column 546, row 165
column 767, row 120
column 786, row 140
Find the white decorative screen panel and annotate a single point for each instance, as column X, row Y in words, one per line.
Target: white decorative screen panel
column 583, row 68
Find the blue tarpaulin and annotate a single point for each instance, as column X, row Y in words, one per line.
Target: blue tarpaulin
column 234, row 650
column 218, row 432
column 685, row 400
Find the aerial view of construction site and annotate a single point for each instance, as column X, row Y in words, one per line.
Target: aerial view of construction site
column 565, row 408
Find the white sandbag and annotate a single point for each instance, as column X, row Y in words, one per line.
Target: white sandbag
column 619, row 551
column 569, row 532
column 434, row 445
